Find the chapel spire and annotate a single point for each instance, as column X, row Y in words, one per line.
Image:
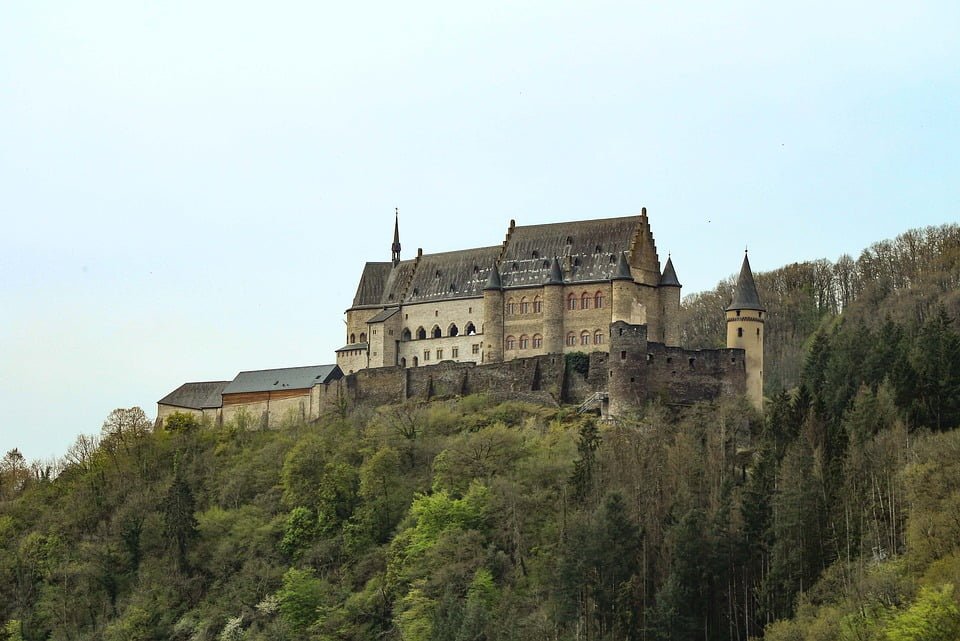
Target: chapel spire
column 395, row 248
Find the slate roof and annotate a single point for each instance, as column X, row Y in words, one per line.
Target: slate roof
column 588, row 251
column 266, row 380
column 669, row 276
column 196, row 396
column 352, row 346
column 456, row 274
column 745, row 295
column 384, row 315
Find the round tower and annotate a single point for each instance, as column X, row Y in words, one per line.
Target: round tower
column 553, row 310
column 745, row 318
column 493, row 318
column 622, row 292
column 669, row 290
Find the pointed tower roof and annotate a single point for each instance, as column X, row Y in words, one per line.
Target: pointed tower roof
column 556, row 274
column 623, row 268
column 494, row 282
column 395, row 247
column 745, row 295
column 669, row 276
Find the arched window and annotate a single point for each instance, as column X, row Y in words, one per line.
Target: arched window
column 421, row 333
column 537, row 341
column 453, row 330
column 511, row 342
column 572, row 301
column 584, row 337
column 435, row 332
column 585, row 301
column 511, row 307
column 598, row 300
column 363, row 337
column 524, row 305
column 598, row 337
column 524, row 342
column 571, row 339
column 403, row 362
column 416, row 361
column 471, row 329
column 405, row 334
column 353, row 338
column 537, row 305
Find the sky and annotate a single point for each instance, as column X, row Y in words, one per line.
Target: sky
column 191, row 189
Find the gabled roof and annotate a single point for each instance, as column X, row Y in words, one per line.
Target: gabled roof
column 196, row 396
column 745, row 295
column 589, row 250
column 266, row 380
column 456, row 274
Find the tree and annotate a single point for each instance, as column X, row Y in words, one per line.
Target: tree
column 179, row 520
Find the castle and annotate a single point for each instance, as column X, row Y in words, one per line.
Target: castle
column 501, row 319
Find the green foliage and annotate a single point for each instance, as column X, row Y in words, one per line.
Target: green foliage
column 300, row 596
column 578, row 362
column 181, row 422
column 934, row 616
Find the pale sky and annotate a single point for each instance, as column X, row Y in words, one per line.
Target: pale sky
column 190, row 189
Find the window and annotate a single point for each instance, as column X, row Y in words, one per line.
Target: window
column 537, row 341
column 353, row 339
column 453, row 330
column 511, row 307
column 475, row 348
column 426, row 355
column 415, row 361
column 598, row 300
column 403, row 362
column 585, row 301
column 471, row 329
column 740, row 332
column 585, row 338
column 405, row 334
column 598, row 337
column 435, row 332
column 524, row 342
column 440, row 354
column 571, row 302
column 571, row 339
column 537, row 305
column 524, row 306
column 454, row 352
column 363, row 337
column 511, row 342
column 421, row 333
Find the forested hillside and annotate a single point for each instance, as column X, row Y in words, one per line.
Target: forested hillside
column 903, row 280
column 833, row 516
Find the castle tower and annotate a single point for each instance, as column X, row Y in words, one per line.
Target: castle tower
column 622, row 293
column 493, row 317
column 745, row 330
column 553, row 310
column 669, row 291
column 395, row 248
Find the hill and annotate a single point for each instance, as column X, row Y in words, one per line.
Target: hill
column 832, row 516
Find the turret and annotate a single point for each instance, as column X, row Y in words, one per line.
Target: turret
column 669, row 291
column 553, row 309
column 493, row 317
column 745, row 319
column 623, row 292
column 395, row 248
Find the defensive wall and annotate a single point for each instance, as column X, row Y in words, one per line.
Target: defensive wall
column 633, row 373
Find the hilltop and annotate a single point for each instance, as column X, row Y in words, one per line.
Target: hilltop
column 471, row 518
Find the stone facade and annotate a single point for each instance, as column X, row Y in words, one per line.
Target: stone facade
column 547, row 289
